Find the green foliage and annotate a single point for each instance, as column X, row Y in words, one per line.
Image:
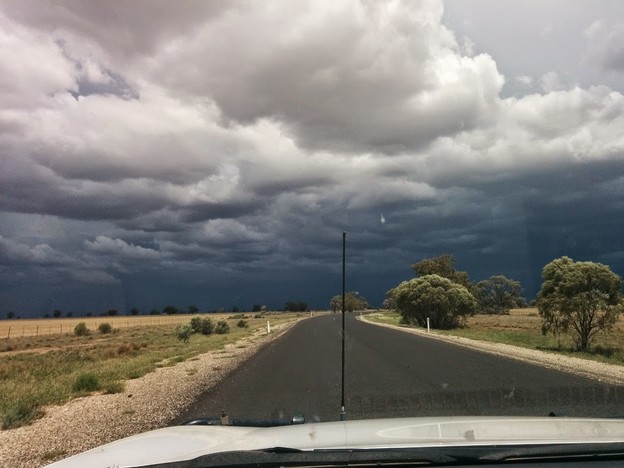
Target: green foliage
column 498, row 294
column 154, row 312
column 353, row 301
column 581, row 298
column 202, row 325
column 184, row 332
column 112, row 312
column 242, row 324
column 192, row 309
column 81, row 329
column 135, row 311
column 86, row 382
column 431, row 296
column 442, row 265
column 19, row 413
column 113, row 387
column 10, row 315
column 296, row 306
column 57, row 313
column 105, row 328
column 222, row 327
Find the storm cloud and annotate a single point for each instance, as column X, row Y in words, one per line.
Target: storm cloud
column 212, row 153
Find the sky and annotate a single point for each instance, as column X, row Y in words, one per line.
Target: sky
column 212, row 153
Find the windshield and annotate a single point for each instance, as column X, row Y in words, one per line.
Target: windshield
column 249, row 212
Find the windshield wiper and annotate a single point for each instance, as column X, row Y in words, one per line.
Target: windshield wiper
column 282, row 456
column 561, row 452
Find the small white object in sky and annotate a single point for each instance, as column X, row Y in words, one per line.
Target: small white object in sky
column 382, row 219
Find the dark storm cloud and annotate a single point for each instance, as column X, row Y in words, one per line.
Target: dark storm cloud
column 188, row 147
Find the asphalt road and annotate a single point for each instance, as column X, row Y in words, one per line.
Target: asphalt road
column 390, row 373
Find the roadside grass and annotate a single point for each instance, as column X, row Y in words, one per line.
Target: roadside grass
column 45, row 370
column 522, row 327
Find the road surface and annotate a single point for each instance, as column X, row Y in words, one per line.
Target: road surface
column 390, row 373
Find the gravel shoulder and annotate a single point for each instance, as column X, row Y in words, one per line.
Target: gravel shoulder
column 147, row 403
column 602, row 372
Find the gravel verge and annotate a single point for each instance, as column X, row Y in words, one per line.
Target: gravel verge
column 147, row 403
column 600, row 371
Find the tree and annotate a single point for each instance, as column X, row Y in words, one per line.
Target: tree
column 154, row 312
column 442, row 265
column 498, row 294
column 10, row 315
column 353, row 301
column 57, row 313
column 135, row 311
column 581, row 298
column 69, row 314
column 296, row 306
column 170, row 310
column 431, row 296
column 111, row 312
column 192, row 309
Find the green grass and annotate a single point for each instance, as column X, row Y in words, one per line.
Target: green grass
column 523, row 328
column 45, row 370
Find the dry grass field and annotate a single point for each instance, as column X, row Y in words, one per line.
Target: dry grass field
column 52, row 326
column 522, row 327
column 50, row 367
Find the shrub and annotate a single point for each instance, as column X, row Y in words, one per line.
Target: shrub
column 185, row 332
column 196, row 324
column 81, row 329
column 202, row 325
column 20, row 413
column 207, row 327
column 86, row 382
column 113, row 387
column 105, row 328
column 242, row 324
column 222, row 327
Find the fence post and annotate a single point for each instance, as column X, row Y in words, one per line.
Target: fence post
column 428, row 328
column 9, row 332
column 37, row 332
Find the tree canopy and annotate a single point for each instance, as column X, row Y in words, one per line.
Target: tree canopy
column 444, row 302
column 498, row 294
column 581, row 298
column 442, row 265
column 353, row 301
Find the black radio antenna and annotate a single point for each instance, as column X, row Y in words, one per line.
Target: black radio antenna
column 343, row 413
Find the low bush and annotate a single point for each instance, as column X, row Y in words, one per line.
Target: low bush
column 81, row 329
column 86, row 382
column 202, row 325
column 19, row 413
column 222, row 327
column 105, row 328
column 242, row 324
column 184, row 333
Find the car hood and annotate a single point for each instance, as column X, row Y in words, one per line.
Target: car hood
column 179, row 443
